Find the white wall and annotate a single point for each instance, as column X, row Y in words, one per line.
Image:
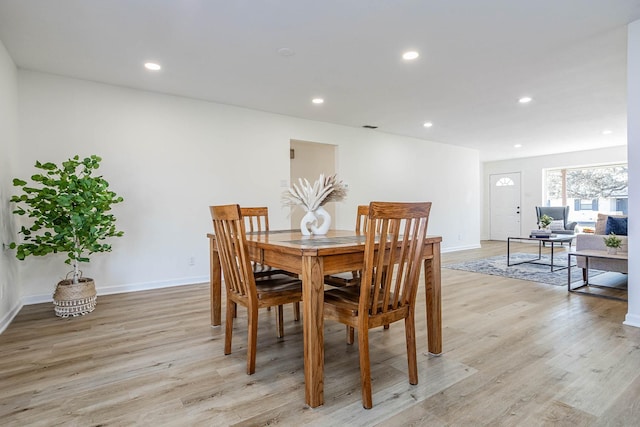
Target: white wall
column 633, row 135
column 9, row 286
column 531, row 169
column 171, row 157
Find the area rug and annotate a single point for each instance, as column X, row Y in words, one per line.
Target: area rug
column 497, row 266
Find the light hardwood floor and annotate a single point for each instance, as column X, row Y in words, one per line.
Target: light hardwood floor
column 516, row 353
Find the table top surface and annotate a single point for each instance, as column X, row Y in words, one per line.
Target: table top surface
column 592, row 253
column 556, row 238
column 294, row 240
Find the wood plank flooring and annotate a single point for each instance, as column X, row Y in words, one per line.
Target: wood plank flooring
column 516, row 353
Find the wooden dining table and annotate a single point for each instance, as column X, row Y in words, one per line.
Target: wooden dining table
column 313, row 257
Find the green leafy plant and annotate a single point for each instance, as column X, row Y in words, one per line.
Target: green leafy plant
column 612, row 241
column 545, row 220
column 69, row 207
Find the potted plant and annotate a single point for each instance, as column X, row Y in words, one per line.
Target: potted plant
column 612, row 242
column 69, row 210
column 545, row 221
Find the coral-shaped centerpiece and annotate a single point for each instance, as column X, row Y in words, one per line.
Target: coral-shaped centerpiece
column 312, row 198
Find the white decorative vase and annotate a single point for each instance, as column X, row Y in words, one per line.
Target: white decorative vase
column 323, row 227
column 307, row 223
column 612, row 251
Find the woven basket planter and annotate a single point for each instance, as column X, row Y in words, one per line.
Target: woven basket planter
column 78, row 299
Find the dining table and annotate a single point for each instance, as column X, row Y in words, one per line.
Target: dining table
column 313, row 257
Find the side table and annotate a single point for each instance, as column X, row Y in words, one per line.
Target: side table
column 588, row 254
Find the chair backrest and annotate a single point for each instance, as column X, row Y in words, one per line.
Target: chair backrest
column 233, row 252
column 361, row 219
column 393, row 273
column 255, row 219
column 555, row 212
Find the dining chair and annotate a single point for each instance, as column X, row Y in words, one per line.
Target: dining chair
column 241, row 285
column 256, row 219
column 352, row 278
column 387, row 291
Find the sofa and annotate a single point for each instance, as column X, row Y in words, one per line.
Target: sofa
column 595, row 241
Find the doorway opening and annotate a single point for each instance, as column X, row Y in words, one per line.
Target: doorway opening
column 309, row 160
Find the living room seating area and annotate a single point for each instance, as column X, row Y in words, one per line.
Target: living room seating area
column 605, row 224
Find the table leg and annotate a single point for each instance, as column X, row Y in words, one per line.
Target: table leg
column 586, row 267
column 313, row 329
column 433, row 284
column 215, row 281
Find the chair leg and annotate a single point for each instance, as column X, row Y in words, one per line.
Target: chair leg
column 350, row 334
column 365, row 367
column 228, row 331
column 410, row 332
column 252, row 339
column 296, row 311
column 386, row 326
column 279, row 321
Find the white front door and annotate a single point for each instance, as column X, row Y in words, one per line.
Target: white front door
column 504, row 196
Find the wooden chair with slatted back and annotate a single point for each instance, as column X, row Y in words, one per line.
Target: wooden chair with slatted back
column 352, row 278
column 387, row 291
column 241, row 285
column 256, row 219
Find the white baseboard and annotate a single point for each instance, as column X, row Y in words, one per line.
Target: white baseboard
column 119, row 289
column 632, row 320
column 8, row 318
column 135, row 287
column 461, row 248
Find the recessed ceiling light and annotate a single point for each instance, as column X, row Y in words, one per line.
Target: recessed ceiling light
column 410, row 55
column 285, row 51
column 152, row 66
column 517, row 146
column 427, row 124
column 525, row 100
column 317, row 100
column 607, row 132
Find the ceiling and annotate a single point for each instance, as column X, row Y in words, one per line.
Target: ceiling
column 477, row 58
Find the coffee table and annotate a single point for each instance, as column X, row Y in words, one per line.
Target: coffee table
column 552, row 241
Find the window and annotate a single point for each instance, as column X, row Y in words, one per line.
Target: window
column 588, row 190
column 502, row 182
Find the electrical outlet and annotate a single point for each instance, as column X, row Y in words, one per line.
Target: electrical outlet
column 191, row 261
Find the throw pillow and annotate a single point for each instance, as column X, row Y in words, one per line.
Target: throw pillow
column 617, row 226
column 601, row 223
column 556, row 225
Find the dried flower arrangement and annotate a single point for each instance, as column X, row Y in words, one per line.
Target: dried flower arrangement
column 324, row 190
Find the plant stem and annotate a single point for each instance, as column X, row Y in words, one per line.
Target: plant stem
column 76, row 269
